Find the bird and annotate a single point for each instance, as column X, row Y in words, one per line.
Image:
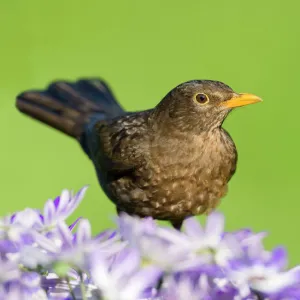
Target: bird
column 170, row 162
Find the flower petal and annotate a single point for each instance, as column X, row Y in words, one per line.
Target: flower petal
column 28, row 218
column 65, row 234
column 63, row 201
column 49, row 212
column 126, row 262
column 278, row 258
column 215, row 224
column 73, row 204
column 193, row 228
column 71, row 227
column 45, row 243
column 141, row 280
column 83, row 232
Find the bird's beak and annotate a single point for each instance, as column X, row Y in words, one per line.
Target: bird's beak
column 241, row 100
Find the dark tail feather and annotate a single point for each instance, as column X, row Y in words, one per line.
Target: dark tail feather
column 67, row 106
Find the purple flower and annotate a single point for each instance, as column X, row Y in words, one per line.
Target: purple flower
column 32, row 257
column 211, row 239
column 26, row 286
column 143, row 235
column 205, row 288
column 141, row 260
column 122, row 278
column 185, row 288
column 74, row 249
column 251, row 242
column 59, row 289
column 131, row 228
column 17, row 230
column 55, row 211
column 65, row 246
column 9, row 271
column 289, row 293
column 263, row 274
column 27, row 219
column 204, row 245
column 62, row 207
column 29, row 285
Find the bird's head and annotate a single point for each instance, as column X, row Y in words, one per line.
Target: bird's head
column 200, row 105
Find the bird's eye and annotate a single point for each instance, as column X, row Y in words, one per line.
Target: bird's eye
column 201, row 98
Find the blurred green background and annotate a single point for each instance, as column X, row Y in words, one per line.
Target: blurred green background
column 143, row 49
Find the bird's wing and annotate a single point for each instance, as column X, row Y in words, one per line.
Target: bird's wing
column 121, row 144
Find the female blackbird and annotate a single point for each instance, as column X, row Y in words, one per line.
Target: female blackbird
column 169, row 162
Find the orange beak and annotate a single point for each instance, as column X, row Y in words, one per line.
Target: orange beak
column 241, row 100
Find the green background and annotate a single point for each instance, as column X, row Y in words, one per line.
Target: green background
column 143, row 49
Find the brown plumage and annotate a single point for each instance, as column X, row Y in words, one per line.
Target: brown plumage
column 169, row 162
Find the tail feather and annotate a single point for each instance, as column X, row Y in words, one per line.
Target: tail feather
column 94, row 87
column 68, row 106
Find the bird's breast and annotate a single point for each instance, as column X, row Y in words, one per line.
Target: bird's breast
column 183, row 177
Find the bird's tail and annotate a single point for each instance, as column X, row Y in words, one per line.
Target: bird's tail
column 68, row 106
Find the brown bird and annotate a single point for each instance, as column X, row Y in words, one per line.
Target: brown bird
column 169, row 162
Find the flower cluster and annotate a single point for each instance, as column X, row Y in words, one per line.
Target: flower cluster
column 41, row 257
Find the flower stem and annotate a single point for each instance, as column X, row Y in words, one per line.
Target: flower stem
column 82, row 288
column 71, row 289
